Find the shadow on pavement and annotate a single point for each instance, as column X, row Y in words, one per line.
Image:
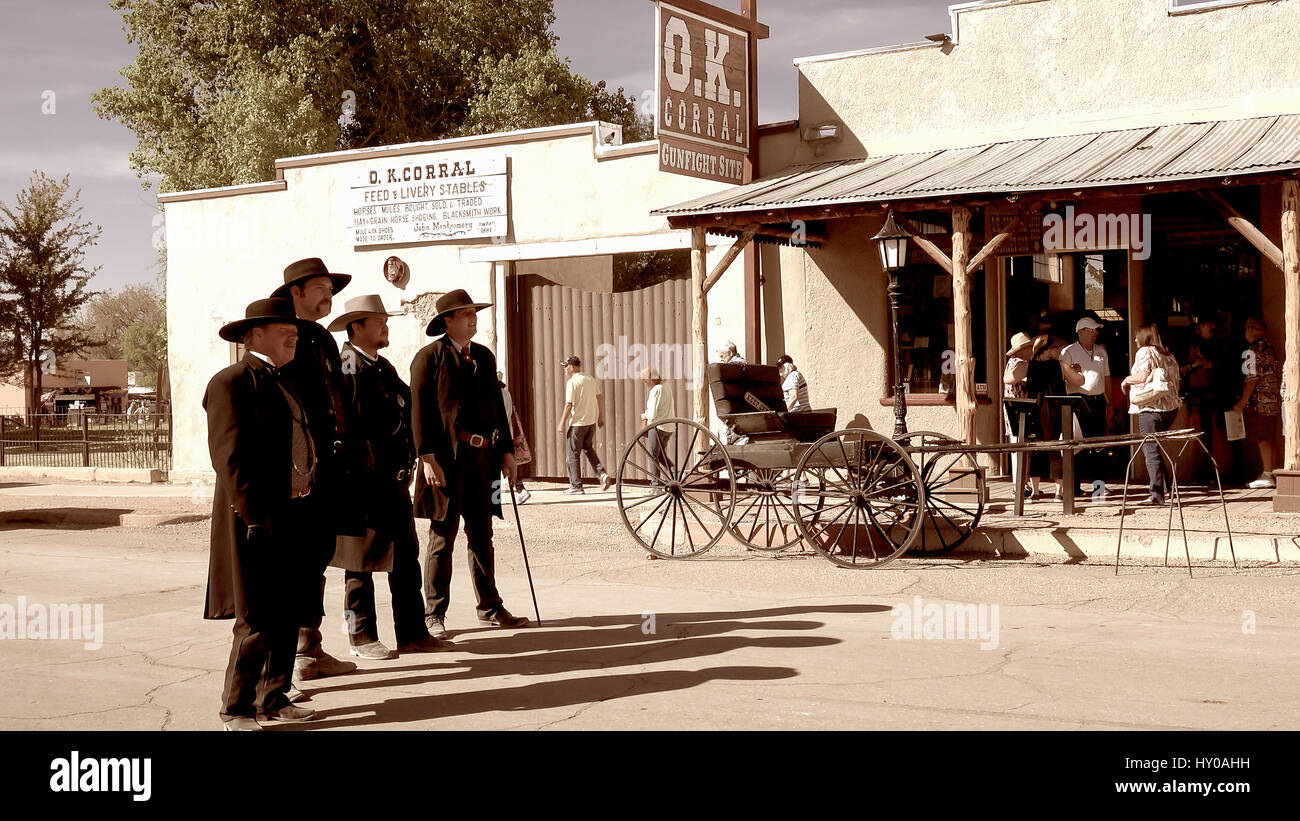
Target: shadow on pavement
column 583, row 644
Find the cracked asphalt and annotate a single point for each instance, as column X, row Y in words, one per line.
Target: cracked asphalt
column 730, row 641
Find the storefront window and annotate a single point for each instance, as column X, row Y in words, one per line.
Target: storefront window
column 927, row 334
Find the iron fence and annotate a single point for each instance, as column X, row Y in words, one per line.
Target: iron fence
column 84, row 438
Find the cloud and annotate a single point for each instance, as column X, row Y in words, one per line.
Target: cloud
column 81, row 161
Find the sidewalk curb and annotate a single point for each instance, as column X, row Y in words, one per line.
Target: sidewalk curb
column 106, row 518
column 148, row 476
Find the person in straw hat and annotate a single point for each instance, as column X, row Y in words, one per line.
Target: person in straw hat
column 316, row 374
column 458, row 418
column 382, row 404
column 260, row 572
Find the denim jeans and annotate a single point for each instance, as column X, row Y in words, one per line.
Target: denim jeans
column 1154, row 422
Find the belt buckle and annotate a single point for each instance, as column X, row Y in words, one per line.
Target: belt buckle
column 477, row 441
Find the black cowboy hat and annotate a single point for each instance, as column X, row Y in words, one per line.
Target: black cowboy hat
column 304, row 269
column 450, row 303
column 261, row 312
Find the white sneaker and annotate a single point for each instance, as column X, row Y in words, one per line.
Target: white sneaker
column 605, row 481
column 523, row 495
column 1265, row 480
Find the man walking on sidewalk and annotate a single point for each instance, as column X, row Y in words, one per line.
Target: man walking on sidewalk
column 584, row 411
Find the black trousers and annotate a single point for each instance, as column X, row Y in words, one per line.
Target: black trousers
column 469, row 491
column 403, row 584
column 261, row 664
column 1090, row 464
column 260, row 668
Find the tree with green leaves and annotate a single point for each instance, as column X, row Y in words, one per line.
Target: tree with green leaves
column 110, row 313
column 43, row 278
column 218, row 91
column 144, row 344
column 535, row 88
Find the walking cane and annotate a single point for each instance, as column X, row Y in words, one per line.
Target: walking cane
column 515, row 507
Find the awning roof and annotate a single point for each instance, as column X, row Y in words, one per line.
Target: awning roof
column 1134, row 156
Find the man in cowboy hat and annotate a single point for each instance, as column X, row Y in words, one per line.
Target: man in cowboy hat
column 316, row 375
column 382, row 402
column 463, row 441
column 259, row 570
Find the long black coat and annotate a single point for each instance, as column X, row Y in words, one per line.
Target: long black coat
column 316, row 375
column 382, row 405
column 250, row 442
column 439, row 380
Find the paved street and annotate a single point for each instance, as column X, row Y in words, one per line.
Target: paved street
column 727, row 642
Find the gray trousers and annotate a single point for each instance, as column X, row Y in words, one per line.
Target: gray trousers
column 579, row 441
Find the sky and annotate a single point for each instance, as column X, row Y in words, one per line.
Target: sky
column 55, row 53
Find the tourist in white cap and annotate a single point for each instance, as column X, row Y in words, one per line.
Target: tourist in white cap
column 1088, row 357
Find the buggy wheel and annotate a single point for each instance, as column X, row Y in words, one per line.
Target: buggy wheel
column 764, row 518
column 954, row 493
column 677, row 502
column 870, row 509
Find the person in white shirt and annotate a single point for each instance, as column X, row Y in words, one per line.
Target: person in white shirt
column 584, row 411
column 794, row 386
column 659, row 405
column 1156, row 413
column 1088, row 357
column 521, row 492
column 727, row 354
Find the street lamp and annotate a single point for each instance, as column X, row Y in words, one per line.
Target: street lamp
column 892, row 242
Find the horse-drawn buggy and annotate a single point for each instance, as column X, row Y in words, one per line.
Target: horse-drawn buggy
column 858, row 498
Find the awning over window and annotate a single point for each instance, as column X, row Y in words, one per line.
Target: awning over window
column 1135, row 156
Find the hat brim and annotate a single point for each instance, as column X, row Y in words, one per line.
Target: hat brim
column 340, row 282
column 234, row 331
column 437, row 326
column 341, row 323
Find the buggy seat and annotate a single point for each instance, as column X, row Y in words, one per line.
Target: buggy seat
column 729, row 383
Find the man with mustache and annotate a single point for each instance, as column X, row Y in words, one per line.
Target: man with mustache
column 463, row 440
column 316, row 375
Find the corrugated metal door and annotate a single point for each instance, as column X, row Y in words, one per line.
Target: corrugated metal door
column 604, row 330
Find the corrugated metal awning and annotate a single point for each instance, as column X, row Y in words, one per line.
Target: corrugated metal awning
column 1134, row 156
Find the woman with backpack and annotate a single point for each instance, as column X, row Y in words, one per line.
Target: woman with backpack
column 1152, row 386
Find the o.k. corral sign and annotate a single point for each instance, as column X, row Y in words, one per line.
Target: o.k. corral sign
column 428, row 198
column 702, row 89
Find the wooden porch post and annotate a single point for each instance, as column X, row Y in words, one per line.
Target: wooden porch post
column 961, row 287
column 699, row 326
column 1291, row 284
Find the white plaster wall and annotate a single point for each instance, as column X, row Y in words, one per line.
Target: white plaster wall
column 1036, row 68
column 228, row 251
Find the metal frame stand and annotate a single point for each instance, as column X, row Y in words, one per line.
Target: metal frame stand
column 1158, row 440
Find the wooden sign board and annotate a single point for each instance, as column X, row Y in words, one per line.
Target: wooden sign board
column 702, row 90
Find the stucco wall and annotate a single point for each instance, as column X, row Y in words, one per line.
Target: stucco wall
column 228, row 251
column 1032, row 68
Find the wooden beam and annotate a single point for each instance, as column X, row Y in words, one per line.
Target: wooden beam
column 699, row 326
column 1244, row 226
column 781, row 231
column 728, row 258
column 992, row 245
column 965, row 376
column 759, row 30
column 933, row 251
column 1291, row 284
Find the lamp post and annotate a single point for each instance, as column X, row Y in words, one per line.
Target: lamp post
column 892, row 242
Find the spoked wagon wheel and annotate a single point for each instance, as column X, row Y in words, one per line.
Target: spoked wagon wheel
column 871, row 507
column 764, row 518
column 954, row 493
column 677, row 502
